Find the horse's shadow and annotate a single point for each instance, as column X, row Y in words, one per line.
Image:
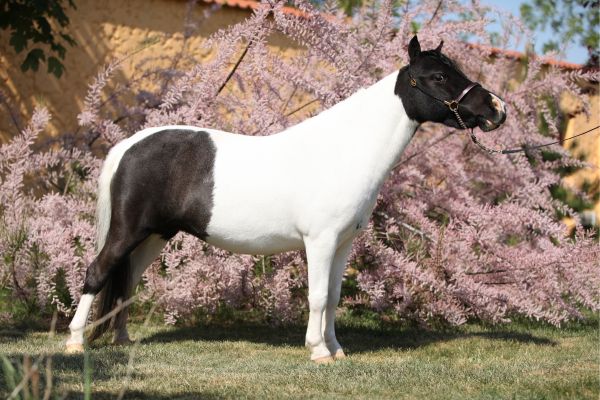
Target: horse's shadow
column 354, row 339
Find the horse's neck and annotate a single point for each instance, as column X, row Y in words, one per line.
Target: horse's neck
column 374, row 123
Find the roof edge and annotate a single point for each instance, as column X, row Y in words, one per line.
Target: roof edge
column 517, row 55
column 494, row 51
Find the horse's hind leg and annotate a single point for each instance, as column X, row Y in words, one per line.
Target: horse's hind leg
column 77, row 325
column 139, row 259
column 119, row 243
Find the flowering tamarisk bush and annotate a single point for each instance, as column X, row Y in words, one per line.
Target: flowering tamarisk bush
column 457, row 233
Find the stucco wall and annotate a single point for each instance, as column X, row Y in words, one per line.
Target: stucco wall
column 104, row 31
column 586, row 147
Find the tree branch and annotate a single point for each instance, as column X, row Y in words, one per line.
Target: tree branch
column 235, row 67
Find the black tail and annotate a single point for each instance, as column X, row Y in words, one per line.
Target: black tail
column 115, row 290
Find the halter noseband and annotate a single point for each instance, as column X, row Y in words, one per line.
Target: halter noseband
column 452, row 104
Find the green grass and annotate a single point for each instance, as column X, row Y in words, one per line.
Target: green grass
column 252, row 360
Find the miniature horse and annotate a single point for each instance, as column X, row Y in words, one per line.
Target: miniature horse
column 312, row 186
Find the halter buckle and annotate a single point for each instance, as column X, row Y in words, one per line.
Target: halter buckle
column 452, row 105
column 413, row 82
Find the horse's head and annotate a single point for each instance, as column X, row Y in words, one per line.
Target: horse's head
column 433, row 88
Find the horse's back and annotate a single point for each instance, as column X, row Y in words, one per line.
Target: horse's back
column 254, row 198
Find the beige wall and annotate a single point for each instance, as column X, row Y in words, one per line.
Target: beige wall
column 587, row 146
column 105, row 30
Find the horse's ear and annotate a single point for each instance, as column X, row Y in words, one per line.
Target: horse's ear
column 439, row 48
column 414, row 48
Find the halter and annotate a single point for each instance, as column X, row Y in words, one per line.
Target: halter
column 452, row 104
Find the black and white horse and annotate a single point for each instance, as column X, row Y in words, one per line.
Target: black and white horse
column 312, row 186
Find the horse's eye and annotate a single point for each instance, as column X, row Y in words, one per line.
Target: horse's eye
column 439, row 77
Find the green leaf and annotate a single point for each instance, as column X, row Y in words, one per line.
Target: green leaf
column 527, row 15
column 44, row 26
column 9, row 373
column 30, row 22
column 68, row 39
column 550, row 46
column 55, row 67
column 18, row 41
column 59, row 49
column 32, row 61
column 87, row 375
column 415, row 26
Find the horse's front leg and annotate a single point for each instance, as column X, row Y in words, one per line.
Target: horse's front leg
column 320, row 252
column 333, row 298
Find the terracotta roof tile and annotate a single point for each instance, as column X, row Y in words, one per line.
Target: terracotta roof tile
column 251, row 5
column 517, row 55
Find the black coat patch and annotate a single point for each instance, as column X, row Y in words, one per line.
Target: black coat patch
column 164, row 184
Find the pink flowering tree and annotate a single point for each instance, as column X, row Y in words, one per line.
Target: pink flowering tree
column 456, row 234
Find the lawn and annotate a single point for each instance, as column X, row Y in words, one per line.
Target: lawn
column 388, row 361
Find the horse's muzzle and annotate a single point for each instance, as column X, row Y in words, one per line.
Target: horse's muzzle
column 487, row 125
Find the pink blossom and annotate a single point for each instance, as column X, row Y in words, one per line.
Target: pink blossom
column 456, row 234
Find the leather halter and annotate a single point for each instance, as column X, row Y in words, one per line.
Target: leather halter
column 451, row 104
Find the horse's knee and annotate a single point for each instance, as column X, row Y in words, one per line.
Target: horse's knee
column 317, row 302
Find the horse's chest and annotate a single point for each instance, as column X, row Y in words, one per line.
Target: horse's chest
column 358, row 219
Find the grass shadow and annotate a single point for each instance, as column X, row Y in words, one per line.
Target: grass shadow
column 136, row 394
column 103, row 363
column 356, row 339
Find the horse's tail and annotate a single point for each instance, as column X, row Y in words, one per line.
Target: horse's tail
column 117, row 284
column 114, row 291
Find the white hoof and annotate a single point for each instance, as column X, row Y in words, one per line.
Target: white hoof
column 324, row 360
column 74, row 348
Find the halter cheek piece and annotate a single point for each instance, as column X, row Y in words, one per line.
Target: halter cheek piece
column 451, row 104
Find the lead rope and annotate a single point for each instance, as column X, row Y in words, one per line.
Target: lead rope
column 453, row 106
column 522, row 149
column 472, row 134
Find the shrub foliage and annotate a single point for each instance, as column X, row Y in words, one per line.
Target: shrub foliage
column 456, row 234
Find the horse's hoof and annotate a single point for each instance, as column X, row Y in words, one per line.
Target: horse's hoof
column 339, row 354
column 324, row 360
column 123, row 342
column 74, row 348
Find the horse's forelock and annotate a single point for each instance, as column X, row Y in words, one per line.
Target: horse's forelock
column 444, row 60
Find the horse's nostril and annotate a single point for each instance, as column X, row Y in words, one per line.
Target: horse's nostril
column 498, row 104
column 501, row 118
